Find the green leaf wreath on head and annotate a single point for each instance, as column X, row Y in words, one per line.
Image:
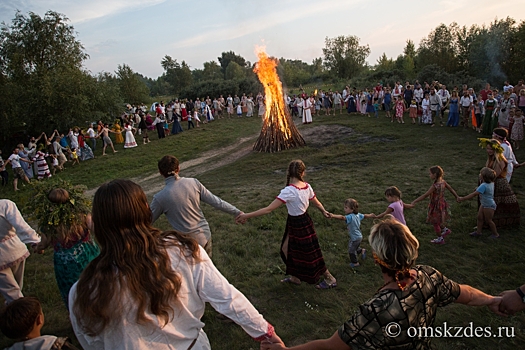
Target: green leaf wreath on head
column 51, row 215
column 494, row 144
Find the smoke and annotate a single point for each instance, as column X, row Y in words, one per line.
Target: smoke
column 494, row 53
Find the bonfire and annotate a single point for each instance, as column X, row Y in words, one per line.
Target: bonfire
column 278, row 131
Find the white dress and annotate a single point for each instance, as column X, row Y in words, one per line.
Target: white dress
column 307, row 113
column 130, row 139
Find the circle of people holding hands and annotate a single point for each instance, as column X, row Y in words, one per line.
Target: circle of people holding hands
column 127, row 284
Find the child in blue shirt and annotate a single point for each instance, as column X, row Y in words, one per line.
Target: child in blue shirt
column 376, row 109
column 353, row 220
column 488, row 205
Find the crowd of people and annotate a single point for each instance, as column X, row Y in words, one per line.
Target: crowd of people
column 138, row 287
column 118, row 298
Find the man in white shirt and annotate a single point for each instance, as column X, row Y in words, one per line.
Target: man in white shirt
column 93, row 136
column 338, row 102
column 445, row 98
column 19, row 173
column 435, row 106
column 15, row 233
column 466, row 103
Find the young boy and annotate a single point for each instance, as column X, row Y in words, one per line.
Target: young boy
column 353, row 220
column 15, row 160
column 22, row 320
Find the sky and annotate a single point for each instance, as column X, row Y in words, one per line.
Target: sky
column 140, row 33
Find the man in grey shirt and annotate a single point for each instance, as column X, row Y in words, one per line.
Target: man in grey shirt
column 180, row 202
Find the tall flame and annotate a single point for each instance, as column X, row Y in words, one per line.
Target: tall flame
column 278, row 130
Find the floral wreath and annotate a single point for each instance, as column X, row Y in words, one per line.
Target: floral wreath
column 494, row 144
column 48, row 214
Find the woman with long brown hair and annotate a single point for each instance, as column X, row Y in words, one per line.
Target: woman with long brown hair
column 147, row 289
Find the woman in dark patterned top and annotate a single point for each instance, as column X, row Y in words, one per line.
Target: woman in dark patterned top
column 409, row 298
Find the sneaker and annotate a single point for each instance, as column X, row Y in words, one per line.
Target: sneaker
column 445, row 232
column 438, row 240
column 363, row 254
column 352, row 265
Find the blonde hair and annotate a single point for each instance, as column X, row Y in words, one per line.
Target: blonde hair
column 352, row 204
column 488, row 175
column 394, row 245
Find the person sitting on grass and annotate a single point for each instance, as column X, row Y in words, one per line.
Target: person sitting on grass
column 23, row 320
column 353, row 220
column 409, row 298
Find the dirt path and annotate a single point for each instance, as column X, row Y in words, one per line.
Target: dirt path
column 317, row 137
column 210, row 160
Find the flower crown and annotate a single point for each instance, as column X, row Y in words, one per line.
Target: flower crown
column 50, row 215
column 494, row 144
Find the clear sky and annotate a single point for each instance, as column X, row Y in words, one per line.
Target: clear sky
column 141, row 32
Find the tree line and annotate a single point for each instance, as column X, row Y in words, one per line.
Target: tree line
column 45, row 86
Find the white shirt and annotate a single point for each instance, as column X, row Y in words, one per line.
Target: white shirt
column 201, row 283
column 15, row 233
column 418, row 94
column 511, row 159
column 465, row 101
column 15, row 160
column 297, row 199
column 91, row 133
column 444, row 94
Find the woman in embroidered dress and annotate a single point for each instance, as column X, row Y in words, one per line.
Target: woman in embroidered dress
column 147, row 289
column 300, row 249
column 507, row 207
column 66, row 229
column 130, row 139
column 409, row 298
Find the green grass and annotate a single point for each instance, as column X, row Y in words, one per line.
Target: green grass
column 360, row 164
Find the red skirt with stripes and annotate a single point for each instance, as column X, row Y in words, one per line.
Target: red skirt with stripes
column 304, row 258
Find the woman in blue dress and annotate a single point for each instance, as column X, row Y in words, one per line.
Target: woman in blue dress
column 453, row 110
column 351, row 104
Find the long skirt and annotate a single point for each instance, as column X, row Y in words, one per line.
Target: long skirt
column 69, row 264
column 176, row 126
column 304, row 258
column 86, row 152
column 507, row 207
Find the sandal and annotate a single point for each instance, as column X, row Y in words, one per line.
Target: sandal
column 475, row 234
column 325, row 285
column 289, row 280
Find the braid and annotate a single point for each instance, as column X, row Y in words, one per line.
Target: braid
column 295, row 169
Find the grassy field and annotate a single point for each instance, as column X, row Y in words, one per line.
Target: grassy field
column 346, row 156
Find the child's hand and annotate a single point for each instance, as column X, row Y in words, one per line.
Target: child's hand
column 459, row 199
column 241, row 218
column 327, row 214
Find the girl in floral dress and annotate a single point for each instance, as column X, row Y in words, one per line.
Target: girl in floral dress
column 400, row 109
column 438, row 209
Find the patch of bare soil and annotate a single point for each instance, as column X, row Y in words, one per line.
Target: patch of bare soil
column 211, row 160
column 326, row 135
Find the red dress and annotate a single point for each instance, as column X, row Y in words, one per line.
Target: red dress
column 438, row 209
